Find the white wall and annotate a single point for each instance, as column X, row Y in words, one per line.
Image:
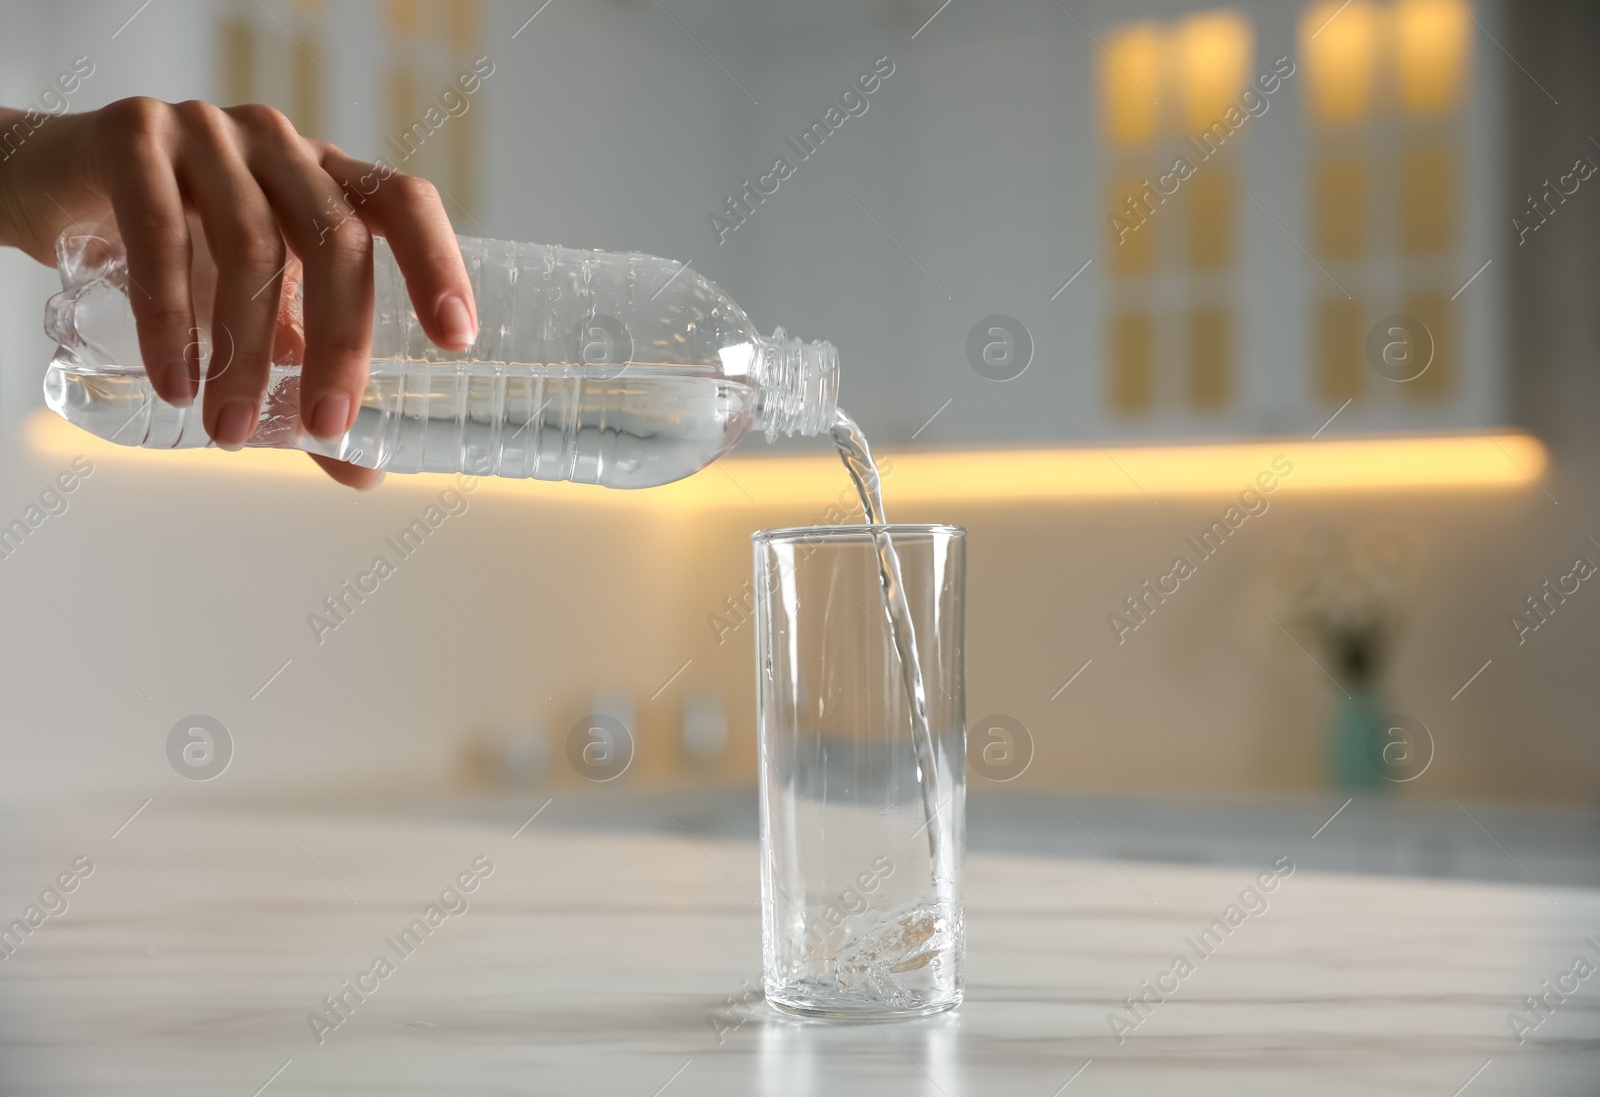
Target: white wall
column 982, row 163
column 197, row 584
column 193, row 590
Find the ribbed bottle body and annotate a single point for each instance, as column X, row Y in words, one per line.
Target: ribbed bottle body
column 608, row 368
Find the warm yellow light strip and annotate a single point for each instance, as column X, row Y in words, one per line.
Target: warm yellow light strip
column 1208, row 469
column 1451, row 462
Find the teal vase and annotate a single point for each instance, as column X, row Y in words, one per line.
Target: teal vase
column 1354, row 717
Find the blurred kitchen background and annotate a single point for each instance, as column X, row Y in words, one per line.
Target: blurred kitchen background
column 1083, row 406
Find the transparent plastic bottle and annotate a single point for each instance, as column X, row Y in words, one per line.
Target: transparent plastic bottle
column 601, row 368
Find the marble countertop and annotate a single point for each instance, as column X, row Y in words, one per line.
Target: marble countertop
column 194, row 949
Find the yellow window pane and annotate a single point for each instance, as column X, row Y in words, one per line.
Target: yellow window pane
column 402, row 16
column 1132, row 362
column 404, row 141
column 460, row 18
column 1339, row 198
column 1212, row 224
column 464, row 162
column 1433, row 45
column 305, row 108
column 238, row 61
column 1130, row 82
column 1130, row 243
column 1214, row 50
column 1340, row 350
column 1339, row 49
column 1428, row 188
column 1437, row 312
column 1210, row 358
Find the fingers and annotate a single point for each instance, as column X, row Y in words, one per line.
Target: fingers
column 150, row 215
column 335, row 251
column 248, row 251
column 351, row 476
column 406, row 211
column 272, row 206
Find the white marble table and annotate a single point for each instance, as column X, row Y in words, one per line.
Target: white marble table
column 188, row 961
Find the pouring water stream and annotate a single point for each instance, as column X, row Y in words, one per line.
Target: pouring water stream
column 852, row 445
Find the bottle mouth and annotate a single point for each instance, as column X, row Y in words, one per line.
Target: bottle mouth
column 799, row 385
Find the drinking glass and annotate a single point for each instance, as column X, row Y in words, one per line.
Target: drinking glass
column 862, row 833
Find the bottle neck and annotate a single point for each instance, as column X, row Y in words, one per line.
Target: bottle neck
column 799, row 385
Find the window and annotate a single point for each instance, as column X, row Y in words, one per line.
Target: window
column 1168, row 101
column 1386, row 84
column 426, row 49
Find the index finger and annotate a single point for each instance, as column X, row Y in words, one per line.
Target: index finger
column 148, row 203
column 406, row 211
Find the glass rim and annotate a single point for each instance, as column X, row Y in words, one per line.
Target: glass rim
column 854, row 532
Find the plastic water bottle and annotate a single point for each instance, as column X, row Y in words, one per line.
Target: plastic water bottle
column 601, row 368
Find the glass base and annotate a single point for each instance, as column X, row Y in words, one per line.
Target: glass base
column 866, row 1013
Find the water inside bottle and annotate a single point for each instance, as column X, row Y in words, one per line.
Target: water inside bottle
column 648, row 426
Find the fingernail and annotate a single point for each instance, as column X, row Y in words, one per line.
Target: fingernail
column 459, row 325
column 236, row 422
column 331, row 417
column 178, row 382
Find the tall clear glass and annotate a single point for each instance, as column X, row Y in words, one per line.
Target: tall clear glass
column 862, row 833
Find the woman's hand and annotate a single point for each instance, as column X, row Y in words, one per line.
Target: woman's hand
column 274, row 206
